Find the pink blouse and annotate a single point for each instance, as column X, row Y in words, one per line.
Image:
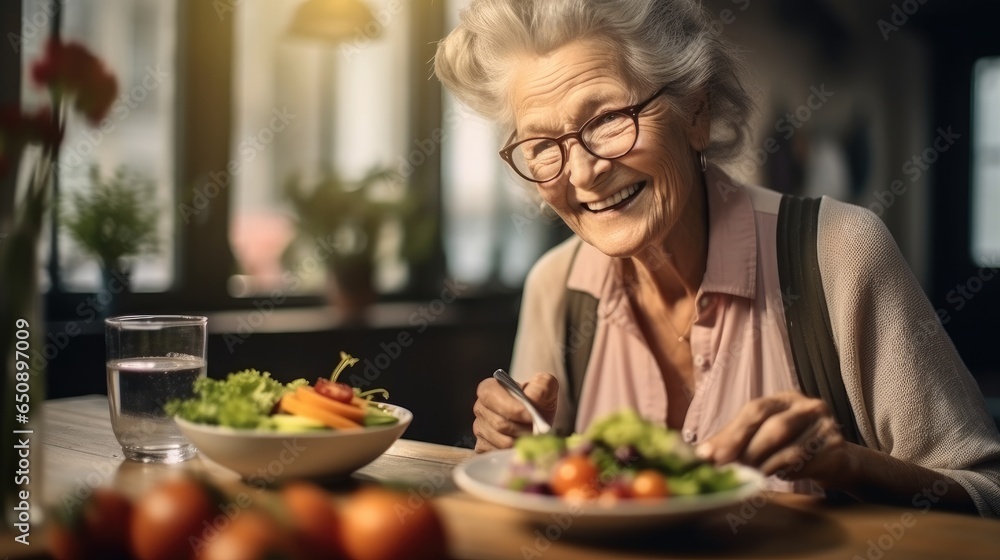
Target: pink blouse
column 912, row 396
column 739, row 346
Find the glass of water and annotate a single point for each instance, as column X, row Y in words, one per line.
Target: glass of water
column 152, row 359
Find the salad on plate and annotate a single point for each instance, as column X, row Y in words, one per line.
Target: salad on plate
column 621, row 456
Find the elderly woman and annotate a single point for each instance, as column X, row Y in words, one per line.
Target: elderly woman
column 619, row 112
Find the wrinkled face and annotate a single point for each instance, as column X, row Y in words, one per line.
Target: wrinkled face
column 620, row 206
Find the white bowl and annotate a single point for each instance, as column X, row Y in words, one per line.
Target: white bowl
column 267, row 457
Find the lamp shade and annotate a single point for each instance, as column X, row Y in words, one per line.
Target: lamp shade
column 331, row 21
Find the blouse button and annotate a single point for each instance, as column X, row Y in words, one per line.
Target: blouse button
column 688, row 436
column 704, row 301
column 699, row 360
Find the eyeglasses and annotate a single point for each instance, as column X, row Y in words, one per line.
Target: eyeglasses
column 609, row 135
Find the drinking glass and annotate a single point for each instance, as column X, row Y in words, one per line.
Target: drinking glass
column 152, row 359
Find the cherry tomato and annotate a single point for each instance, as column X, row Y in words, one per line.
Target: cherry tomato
column 336, row 391
column 314, row 519
column 613, row 493
column 575, row 477
column 649, row 484
column 95, row 529
column 382, row 525
column 172, row 520
column 251, row 536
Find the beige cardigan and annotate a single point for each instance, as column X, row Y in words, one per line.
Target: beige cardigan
column 912, row 395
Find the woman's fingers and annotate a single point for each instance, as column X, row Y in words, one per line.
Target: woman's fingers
column 789, row 434
column 543, row 391
column 492, row 396
column 500, row 418
column 732, row 440
column 488, row 438
column 784, row 428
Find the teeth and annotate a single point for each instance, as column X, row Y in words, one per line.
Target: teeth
column 613, row 199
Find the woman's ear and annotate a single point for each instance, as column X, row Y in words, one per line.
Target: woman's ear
column 699, row 125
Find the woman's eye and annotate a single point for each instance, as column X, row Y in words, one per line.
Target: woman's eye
column 609, row 118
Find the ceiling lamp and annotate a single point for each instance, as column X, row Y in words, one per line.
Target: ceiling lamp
column 330, row 20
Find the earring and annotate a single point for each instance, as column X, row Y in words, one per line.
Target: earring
column 703, row 160
column 542, row 207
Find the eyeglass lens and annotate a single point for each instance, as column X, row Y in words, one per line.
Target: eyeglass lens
column 609, row 135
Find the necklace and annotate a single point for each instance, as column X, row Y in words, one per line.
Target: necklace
column 682, row 337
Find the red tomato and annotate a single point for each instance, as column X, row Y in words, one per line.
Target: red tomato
column 336, row 391
column 171, row 514
column 613, row 493
column 575, row 477
column 649, row 484
column 382, row 525
column 251, row 536
column 314, row 519
column 64, row 544
column 95, row 530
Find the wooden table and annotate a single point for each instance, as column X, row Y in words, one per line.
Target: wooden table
column 79, row 451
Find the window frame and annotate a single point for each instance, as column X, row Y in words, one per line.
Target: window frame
column 203, row 119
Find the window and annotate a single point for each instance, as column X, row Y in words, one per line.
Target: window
column 494, row 229
column 341, row 105
column 298, row 106
column 136, row 40
column 986, row 162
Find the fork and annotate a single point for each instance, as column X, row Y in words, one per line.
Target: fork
column 538, row 424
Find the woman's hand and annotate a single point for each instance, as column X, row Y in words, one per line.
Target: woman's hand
column 500, row 417
column 790, row 435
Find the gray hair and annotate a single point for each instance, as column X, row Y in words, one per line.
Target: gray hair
column 660, row 42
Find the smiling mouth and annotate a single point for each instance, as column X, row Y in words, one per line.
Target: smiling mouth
column 616, row 200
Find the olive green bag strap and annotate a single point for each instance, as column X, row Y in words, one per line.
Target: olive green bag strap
column 817, row 363
column 581, row 326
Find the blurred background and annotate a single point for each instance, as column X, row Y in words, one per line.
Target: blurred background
column 312, row 189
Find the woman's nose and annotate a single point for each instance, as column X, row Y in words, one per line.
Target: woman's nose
column 583, row 167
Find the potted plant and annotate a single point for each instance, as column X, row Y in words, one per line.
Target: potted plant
column 348, row 222
column 113, row 220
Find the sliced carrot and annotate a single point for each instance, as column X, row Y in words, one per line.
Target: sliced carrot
column 292, row 404
column 359, row 402
column 351, row 412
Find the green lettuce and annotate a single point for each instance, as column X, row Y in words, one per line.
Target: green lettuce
column 242, row 400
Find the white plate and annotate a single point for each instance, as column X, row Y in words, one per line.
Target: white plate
column 273, row 456
column 484, row 475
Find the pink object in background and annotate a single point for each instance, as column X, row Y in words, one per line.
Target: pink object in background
column 258, row 240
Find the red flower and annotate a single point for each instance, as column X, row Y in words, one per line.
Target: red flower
column 73, row 75
column 71, row 70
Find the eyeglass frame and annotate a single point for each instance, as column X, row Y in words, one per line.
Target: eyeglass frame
column 632, row 111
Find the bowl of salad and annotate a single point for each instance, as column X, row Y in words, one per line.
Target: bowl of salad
column 623, row 473
column 268, row 431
